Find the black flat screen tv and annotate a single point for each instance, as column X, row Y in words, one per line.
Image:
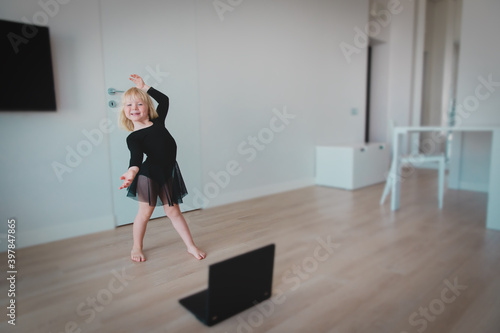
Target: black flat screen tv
column 27, row 82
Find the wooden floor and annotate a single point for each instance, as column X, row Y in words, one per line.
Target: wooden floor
column 416, row 270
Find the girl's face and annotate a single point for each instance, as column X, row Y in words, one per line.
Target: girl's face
column 136, row 110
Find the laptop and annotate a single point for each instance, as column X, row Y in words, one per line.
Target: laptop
column 234, row 285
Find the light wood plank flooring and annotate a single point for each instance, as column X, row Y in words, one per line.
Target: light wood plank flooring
column 415, row 270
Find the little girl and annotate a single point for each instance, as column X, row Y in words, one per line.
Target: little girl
column 159, row 175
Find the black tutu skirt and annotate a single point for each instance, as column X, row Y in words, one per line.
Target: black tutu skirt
column 155, row 181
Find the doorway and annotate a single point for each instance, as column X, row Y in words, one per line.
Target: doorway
column 376, row 124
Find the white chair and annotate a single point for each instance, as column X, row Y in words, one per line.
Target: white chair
column 415, row 160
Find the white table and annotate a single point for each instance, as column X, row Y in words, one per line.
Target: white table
column 493, row 208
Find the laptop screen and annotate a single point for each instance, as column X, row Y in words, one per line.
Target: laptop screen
column 239, row 283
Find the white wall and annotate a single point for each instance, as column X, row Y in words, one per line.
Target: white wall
column 264, row 56
column 401, row 59
column 45, row 208
column 279, row 55
column 479, row 54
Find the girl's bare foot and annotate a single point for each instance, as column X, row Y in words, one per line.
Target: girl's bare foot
column 197, row 253
column 137, row 255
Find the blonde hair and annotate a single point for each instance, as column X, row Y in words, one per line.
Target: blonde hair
column 135, row 94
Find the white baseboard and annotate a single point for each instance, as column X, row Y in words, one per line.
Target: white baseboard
column 471, row 186
column 64, row 231
column 261, row 191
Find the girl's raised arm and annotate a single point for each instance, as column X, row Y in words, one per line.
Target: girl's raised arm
column 162, row 99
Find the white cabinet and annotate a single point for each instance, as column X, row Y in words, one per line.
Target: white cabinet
column 352, row 166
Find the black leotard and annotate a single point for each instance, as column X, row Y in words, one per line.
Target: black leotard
column 159, row 175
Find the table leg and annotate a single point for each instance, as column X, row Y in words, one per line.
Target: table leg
column 396, row 181
column 493, row 209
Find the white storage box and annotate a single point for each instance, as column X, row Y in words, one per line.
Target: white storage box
column 352, row 166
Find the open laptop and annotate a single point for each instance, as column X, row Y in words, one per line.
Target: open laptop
column 234, row 285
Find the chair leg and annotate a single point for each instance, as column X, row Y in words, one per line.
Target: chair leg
column 387, row 188
column 441, row 183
